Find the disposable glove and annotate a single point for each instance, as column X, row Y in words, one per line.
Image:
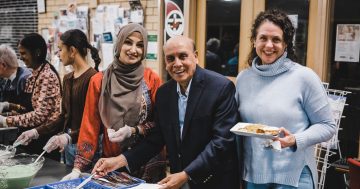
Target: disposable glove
column 119, row 135
column 4, row 106
column 75, row 173
column 57, row 141
column 27, row 136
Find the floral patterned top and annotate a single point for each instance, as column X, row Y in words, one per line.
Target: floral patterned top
column 44, row 86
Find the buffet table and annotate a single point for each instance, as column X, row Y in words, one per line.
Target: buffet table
column 52, row 171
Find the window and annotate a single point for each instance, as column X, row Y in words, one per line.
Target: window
column 298, row 11
column 222, row 36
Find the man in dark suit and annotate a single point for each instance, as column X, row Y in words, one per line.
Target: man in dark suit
column 193, row 115
column 12, row 82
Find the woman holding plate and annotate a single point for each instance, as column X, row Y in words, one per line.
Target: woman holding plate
column 277, row 91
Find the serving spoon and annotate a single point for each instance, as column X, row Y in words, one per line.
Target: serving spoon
column 18, row 143
column 37, row 159
column 9, row 148
column 85, row 181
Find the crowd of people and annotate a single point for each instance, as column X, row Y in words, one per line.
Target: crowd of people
column 124, row 118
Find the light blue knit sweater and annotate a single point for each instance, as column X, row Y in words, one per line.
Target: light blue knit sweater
column 283, row 94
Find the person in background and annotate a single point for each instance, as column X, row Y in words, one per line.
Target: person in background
column 42, row 89
column 73, row 48
column 277, row 91
column 213, row 61
column 12, row 82
column 232, row 64
column 194, row 113
column 119, row 103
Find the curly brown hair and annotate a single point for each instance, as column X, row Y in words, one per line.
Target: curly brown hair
column 280, row 19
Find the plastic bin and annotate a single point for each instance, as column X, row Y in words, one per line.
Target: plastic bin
column 93, row 184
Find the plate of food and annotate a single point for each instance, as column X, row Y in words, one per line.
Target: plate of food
column 255, row 130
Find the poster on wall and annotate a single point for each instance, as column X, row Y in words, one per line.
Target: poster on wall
column 347, row 47
column 109, row 19
column 174, row 18
column 41, row 6
column 152, row 47
column 136, row 12
column 73, row 17
column 82, row 18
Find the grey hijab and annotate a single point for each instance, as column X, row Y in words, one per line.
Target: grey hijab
column 120, row 97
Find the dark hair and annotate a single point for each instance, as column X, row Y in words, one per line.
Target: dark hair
column 78, row 39
column 280, row 19
column 36, row 45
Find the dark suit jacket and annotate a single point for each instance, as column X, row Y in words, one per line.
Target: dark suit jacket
column 15, row 92
column 207, row 151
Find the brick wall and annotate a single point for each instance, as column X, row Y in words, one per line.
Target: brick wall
column 151, row 15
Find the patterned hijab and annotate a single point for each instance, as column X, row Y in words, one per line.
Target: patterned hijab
column 120, row 97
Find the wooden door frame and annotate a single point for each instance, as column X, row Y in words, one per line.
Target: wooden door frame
column 318, row 44
column 318, row 32
column 200, row 25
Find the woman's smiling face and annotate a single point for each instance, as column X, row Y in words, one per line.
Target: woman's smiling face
column 133, row 49
column 269, row 42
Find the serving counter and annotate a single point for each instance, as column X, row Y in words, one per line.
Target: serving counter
column 52, row 171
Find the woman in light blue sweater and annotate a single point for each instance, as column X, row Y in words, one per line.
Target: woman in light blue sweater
column 278, row 92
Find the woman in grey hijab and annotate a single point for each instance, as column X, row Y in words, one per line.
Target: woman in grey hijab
column 119, row 104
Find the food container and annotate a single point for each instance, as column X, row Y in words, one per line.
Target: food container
column 19, row 170
column 114, row 180
column 6, row 152
column 68, row 184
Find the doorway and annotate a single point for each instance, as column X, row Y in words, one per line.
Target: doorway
column 344, row 73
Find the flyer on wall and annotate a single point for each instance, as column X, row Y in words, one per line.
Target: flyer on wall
column 347, row 43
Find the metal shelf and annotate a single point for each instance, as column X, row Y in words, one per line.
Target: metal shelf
column 324, row 150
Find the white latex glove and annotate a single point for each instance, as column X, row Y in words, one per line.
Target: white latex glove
column 119, row 135
column 75, row 173
column 57, row 141
column 3, row 122
column 27, row 136
column 4, row 106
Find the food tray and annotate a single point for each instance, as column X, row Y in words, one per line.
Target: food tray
column 236, row 129
column 65, row 184
column 93, row 184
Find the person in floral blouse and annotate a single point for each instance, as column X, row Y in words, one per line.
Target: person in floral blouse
column 42, row 92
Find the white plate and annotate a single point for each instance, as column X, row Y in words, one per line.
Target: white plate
column 238, row 126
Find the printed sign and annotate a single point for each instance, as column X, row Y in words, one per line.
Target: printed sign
column 347, row 43
column 174, row 18
column 152, row 47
